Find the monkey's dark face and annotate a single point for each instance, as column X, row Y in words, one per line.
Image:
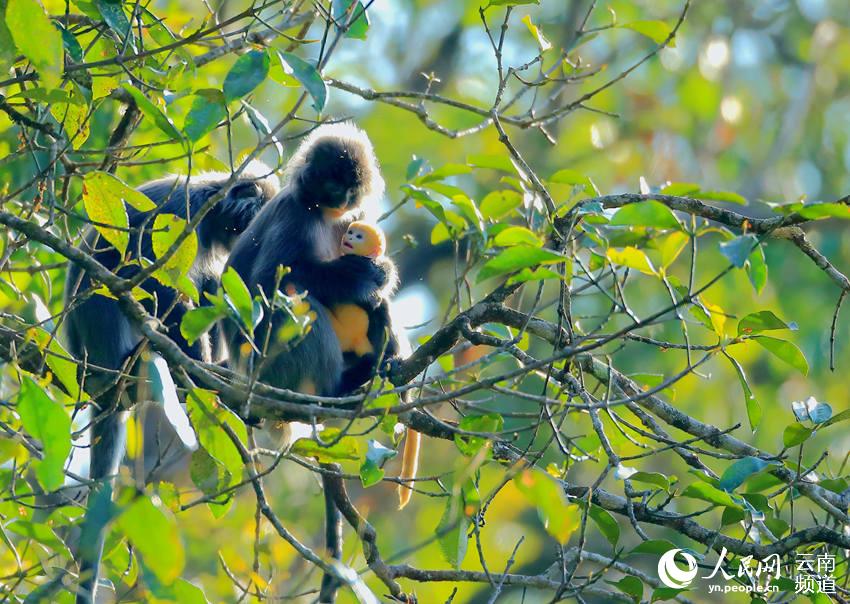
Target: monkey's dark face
column 333, row 179
column 229, row 219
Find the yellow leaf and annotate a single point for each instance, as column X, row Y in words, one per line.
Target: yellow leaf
column 542, row 42
column 632, row 258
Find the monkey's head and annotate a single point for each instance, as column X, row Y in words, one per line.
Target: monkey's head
column 231, row 216
column 364, row 239
column 335, row 170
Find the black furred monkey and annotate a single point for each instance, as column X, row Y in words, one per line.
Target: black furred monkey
column 328, row 182
column 100, row 334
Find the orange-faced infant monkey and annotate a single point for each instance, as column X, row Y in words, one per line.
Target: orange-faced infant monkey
column 363, row 329
column 367, row 339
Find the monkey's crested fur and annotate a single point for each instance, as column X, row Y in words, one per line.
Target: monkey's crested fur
column 336, row 161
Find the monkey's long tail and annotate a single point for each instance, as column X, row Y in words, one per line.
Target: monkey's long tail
column 409, row 466
column 333, row 537
column 108, row 438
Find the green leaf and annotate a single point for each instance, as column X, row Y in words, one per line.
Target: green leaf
column 738, row 250
column 443, row 172
column 199, row 321
column 494, row 162
column 735, row 475
column 263, row 128
column 452, row 533
column 631, row 586
column 46, row 421
column 538, row 274
column 153, row 533
column 104, row 184
column 517, row 235
column 208, row 416
column 36, row 38
column 573, row 177
column 8, row 51
column 726, row 196
column 754, row 411
column 371, row 470
column 207, row 111
column 181, row 591
column 649, row 213
column 247, row 73
column 657, row 31
column 517, row 258
column 786, row 351
column 560, row 518
column 211, row 477
column 239, row 296
column 72, row 46
column 415, row 167
column 680, row 189
column 631, row 257
column 757, row 269
column 660, row 594
column 154, row 113
column 357, row 19
column 498, row 204
column 671, row 246
column 309, row 78
column 112, row 12
column 653, row 546
column 606, row 523
column 840, row 417
column 763, row 320
column 813, row 211
column 489, row 423
column 342, row 448
column 654, row 478
column 166, row 229
column 60, row 363
column 795, row 434
column 706, row 492
column 64, row 369
column 39, row 532
column 73, row 115
column 107, row 210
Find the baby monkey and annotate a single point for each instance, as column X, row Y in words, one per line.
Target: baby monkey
column 364, row 331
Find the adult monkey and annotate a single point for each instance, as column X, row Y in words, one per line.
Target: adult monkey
column 99, row 333
column 330, row 176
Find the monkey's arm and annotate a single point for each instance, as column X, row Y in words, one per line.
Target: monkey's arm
column 346, row 280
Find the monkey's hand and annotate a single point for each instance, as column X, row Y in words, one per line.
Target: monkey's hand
column 374, row 272
column 389, row 366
